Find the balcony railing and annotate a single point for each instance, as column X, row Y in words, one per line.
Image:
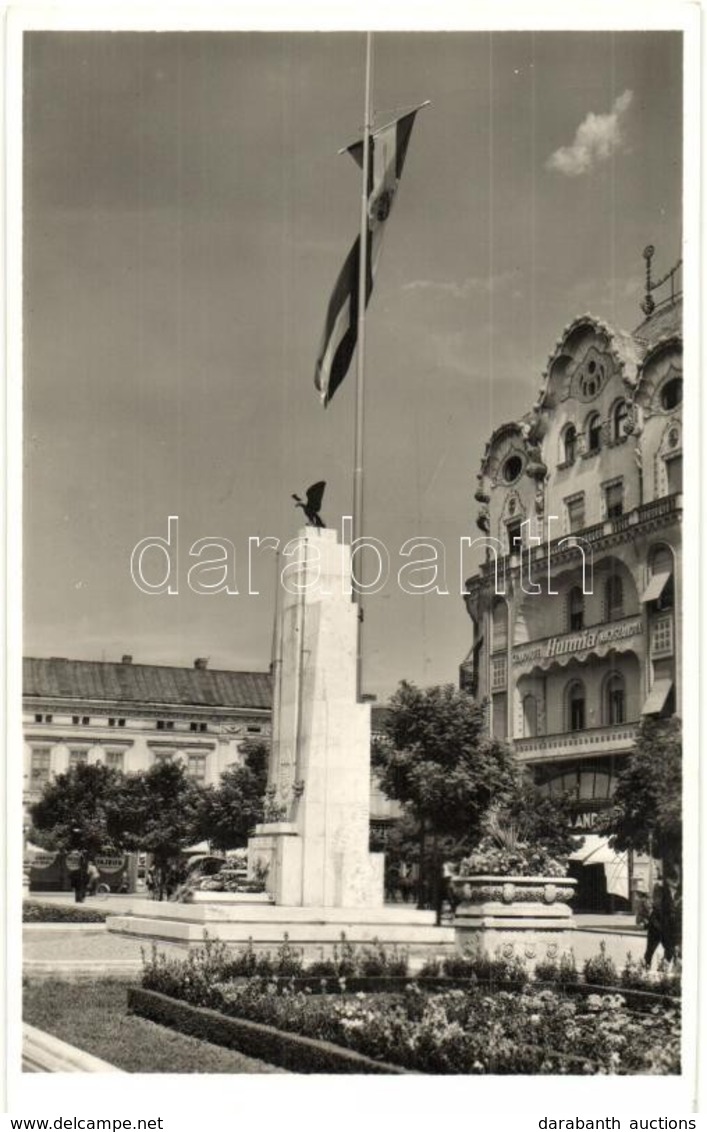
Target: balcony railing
column 657, row 509
column 593, row 740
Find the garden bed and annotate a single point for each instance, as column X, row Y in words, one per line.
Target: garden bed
column 467, row 1014
column 447, row 1032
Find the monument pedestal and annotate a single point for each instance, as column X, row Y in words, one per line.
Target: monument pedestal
column 315, row 930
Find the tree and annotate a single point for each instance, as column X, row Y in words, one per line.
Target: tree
column 161, row 811
column 646, row 814
column 436, row 757
column 230, row 810
column 79, row 811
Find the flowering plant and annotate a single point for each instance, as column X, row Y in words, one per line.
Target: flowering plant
column 231, row 880
column 502, row 852
column 524, row 1028
column 490, row 859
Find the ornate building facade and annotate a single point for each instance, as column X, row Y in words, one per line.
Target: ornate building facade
column 576, row 607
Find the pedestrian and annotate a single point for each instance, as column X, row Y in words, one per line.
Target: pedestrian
column 79, row 879
column 92, row 878
column 662, row 925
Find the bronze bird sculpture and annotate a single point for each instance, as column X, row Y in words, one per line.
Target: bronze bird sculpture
column 312, row 504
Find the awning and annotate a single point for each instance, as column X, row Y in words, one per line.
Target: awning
column 657, row 696
column 594, row 851
column 616, row 874
column 597, row 851
column 656, row 585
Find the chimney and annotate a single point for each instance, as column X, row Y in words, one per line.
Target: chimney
column 126, row 658
column 201, row 662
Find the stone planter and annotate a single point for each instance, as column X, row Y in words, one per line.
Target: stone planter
column 529, row 917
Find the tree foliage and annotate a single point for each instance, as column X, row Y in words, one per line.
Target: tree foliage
column 436, row 757
column 161, row 808
column 538, row 819
column 231, row 810
column 81, row 810
column 646, row 814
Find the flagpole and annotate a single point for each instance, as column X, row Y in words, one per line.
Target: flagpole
column 361, row 355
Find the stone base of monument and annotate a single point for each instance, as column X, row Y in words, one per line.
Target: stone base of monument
column 203, row 896
column 303, row 871
column 267, row 925
column 527, row 917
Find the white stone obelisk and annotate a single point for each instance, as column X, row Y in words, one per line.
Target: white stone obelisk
column 315, row 844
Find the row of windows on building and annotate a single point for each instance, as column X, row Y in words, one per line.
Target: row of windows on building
column 586, row 783
column 594, row 430
column 575, row 506
column 160, row 724
column 41, row 763
column 613, row 705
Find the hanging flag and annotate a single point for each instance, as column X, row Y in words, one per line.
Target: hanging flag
column 388, row 148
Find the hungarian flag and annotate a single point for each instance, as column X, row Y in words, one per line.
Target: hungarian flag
column 388, row 147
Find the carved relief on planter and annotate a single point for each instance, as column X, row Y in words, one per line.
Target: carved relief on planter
column 525, row 916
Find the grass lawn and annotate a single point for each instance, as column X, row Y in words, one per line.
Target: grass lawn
column 92, row 1017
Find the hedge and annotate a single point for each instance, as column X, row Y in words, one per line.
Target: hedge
column 34, row 912
column 290, row 1051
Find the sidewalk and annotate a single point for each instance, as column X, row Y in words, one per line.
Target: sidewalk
column 90, row 951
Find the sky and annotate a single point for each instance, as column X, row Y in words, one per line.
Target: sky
column 186, row 213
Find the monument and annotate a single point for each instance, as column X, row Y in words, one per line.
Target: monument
column 313, row 845
column 321, row 879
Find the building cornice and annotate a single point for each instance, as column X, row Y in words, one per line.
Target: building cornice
column 134, row 710
column 117, row 740
column 181, row 743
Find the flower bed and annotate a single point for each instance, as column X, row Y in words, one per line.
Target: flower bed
column 476, row 1028
column 457, row 1031
column 34, row 912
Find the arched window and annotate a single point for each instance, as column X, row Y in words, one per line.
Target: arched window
column 500, row 627
column 575, row 609
column 613, row 598
column 594, row 433
column 619, row 419
column 569, row 444
column 530, row 716
column 576, row 700
column 671, row 393
column 614, row 699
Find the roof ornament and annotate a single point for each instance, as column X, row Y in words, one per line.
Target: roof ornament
column 648, row 305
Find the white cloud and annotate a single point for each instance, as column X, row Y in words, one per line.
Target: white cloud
column 473, row 285
column 597, row 137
